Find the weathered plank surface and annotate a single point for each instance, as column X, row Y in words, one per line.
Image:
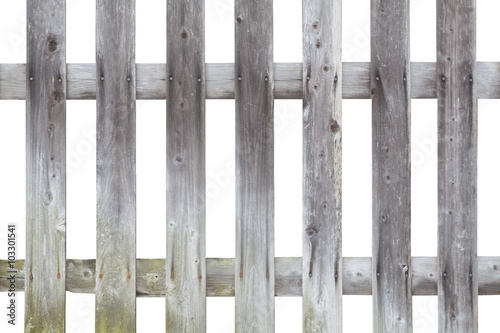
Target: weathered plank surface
column 390, row 70
column 322, row 168
column 45, row 273
column 457, row 166
column 116, row 200
column 185, row 264
column 356, row 276
column 150, row 80
column 254, row 77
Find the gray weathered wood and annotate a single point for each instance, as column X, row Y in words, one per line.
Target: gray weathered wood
column 457, row 166
column 356, row 276
column 390, row 70
column 185, row 264
column 150, row 81
column 322, row 166
column 116, row 200
column 254, row 82
column 45, row 273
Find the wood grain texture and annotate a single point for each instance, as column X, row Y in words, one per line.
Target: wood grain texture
column 150, row 81
column 45, row 273
column 356, row 276
column 322, row 166
column 457, row 166
column 254, row 265
column 185, row 264
column 116, row 184
column 391, row 249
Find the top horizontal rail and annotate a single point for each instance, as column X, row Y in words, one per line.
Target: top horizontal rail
column 151, row 81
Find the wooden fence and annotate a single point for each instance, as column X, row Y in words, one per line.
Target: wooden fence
column 254, row 276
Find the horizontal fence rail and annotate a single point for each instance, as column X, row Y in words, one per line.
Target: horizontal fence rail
column 220, row 81
column 356, row 276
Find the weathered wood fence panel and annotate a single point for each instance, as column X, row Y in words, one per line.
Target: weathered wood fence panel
column 116, row 186
column 45, row 276
column 390, row 68
column 457, row 166
column 186, row 285
column 321, row 276
column 254, row 102
column 322, row 179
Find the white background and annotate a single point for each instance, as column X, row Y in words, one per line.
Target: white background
column 151, row 47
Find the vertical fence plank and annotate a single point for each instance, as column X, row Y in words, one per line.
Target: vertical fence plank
column 45, row 274
column 254, row 81
column 457, row 166
column 322, row 183
column 185, row 264
column 116, row 200
column 390, row 90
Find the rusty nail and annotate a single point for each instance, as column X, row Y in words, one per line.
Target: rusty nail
column 172, row 276
column 129, row 276
column 100, row 276
column 241, row 274
column 31, row 276
column 199, row 277
column 58, row 275
column 267, row 275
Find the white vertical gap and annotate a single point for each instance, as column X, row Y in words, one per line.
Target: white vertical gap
column 423, row 30
column 81, row 179
column 488, row 178
column 13, row 199
column 425, row 314
column 151, row 179
column 80, row 31
column 288, row 314
column 151, row 314
column 356, row 30
column 287, row 30
column 220, row 315
column 488, row 313
column 13, row 32
column 151, row 31
column 424, row 178
column 219, row 31
column 487, row 24
column 220, row 179
column 357, row 313
column 80, row 313
column 356, row 178
column 288, row 178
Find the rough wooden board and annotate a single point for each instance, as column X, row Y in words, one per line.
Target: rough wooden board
column 391, row 243
column 151, row 79
column 254, row 265
column 185, row 264
column 116, row 200
column 322, row 166
column 45, row 274
column 457, row 166
column 356, row 277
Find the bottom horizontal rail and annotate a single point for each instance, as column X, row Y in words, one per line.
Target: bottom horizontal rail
column 357, row 277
